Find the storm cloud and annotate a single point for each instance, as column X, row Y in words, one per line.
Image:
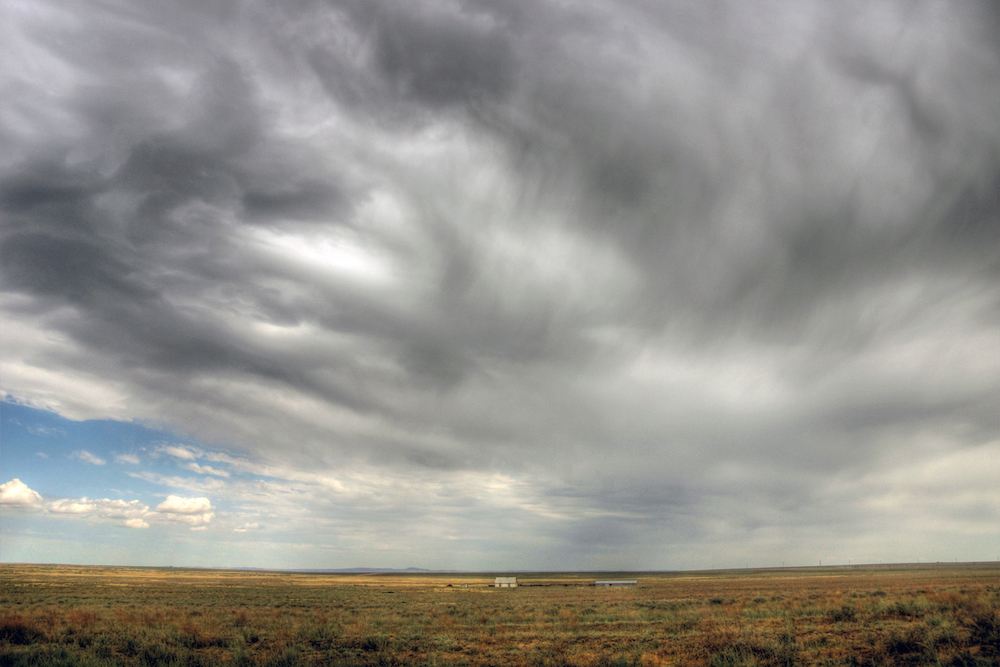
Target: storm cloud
column 693, row 279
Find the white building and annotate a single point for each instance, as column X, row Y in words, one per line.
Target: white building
column 505, row 582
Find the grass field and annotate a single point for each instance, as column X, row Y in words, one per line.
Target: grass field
column 880, row 615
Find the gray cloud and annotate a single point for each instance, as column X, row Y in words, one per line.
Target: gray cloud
column 632, row 242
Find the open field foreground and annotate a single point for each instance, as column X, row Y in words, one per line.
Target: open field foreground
column 885, row 615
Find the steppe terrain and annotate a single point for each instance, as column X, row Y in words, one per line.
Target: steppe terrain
column 928, row 614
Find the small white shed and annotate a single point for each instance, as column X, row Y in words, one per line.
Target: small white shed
column 505, row 582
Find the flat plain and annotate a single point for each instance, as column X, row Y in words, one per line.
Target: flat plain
column 921, row 614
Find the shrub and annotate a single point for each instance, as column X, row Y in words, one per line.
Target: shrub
column 83, row 618
column 984, row 628
column 732, row 658
column 19, row 630
column 846, row 614
column 157, row 654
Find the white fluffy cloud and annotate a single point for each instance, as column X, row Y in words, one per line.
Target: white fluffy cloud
column 180, row 505
column 195, row 512
column 67, row 506
column 16, row 493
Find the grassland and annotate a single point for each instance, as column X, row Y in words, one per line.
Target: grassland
column 887, row 615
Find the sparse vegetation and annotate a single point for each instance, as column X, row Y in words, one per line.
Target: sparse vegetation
column 132, row 617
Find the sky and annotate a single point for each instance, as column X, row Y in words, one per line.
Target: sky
column 499, row 285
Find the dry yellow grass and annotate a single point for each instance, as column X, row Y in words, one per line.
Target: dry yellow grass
column 892, row 615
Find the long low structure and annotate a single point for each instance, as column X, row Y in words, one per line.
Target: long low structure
column 617, row 582
column 505, row 582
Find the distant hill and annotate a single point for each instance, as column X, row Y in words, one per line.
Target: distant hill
column 366, row 570
column 353, row 570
